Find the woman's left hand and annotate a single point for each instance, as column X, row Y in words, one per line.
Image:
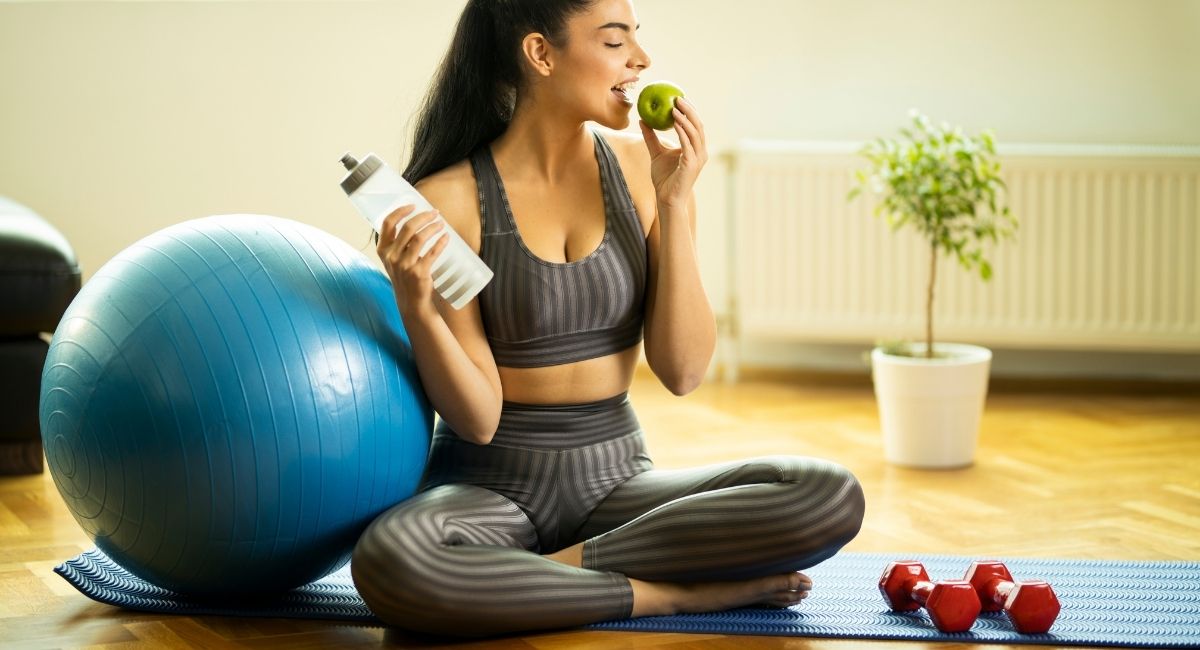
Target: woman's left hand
column 674, row 169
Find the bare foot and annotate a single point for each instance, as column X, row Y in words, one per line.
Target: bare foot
column 662, row 598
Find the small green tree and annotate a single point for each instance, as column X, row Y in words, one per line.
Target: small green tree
column 938, row 180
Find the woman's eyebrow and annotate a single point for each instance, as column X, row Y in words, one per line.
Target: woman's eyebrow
column 621, row 26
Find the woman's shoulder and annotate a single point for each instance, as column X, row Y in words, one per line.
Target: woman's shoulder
column 452, row 191
column 634, row 159
column 450, row 185
column 630, row 148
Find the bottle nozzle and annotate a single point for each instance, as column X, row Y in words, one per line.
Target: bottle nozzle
column 360, row 170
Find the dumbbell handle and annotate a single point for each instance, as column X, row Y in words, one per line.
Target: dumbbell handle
column 919, row 590
column 952, row 605
column 957, row 609
column 1032, row 606
column 995, row 593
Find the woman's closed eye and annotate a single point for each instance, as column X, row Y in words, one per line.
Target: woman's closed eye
column 614, row 44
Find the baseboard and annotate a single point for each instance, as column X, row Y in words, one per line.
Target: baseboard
column 1015, row 363
column 996, row 385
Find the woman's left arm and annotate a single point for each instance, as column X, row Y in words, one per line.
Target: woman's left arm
column 680, row 330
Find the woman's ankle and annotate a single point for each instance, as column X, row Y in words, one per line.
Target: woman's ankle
column 653, row 598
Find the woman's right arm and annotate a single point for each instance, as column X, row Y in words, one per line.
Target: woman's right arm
column 453, row 358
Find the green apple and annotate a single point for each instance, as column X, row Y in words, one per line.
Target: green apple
column 655, row 103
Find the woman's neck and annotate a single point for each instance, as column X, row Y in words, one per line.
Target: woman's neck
column 540, row 145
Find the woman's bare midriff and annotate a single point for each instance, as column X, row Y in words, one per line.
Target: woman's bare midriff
column 571, row 383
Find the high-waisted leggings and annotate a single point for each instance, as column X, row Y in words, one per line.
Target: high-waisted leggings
column 463, row 556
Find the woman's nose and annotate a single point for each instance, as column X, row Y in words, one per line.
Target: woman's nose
column 641, row 60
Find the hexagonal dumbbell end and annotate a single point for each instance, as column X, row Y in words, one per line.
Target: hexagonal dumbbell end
column 953, row 605
column 1031, row 606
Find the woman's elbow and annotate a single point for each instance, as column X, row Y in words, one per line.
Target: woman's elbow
column 681, row 388
column 476, row 436
column 481, row 438
column 679, row 373
column 478, row 430
column 682, row 381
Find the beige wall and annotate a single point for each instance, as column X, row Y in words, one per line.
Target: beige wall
column 120, row 118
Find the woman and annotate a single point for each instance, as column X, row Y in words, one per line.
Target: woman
column 539, row 507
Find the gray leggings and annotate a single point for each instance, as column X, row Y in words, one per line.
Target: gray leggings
column 462, row 556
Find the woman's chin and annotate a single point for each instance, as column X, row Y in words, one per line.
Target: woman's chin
column 618, row 122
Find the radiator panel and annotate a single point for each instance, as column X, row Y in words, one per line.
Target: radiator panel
column 1105, row 256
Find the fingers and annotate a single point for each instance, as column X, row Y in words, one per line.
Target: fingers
column 415, row 225
column 690, row 130
column 418, row 244
column 693, row 116
column 401, row 247
column 409, row 248
column 652, row 142
column 430, row 257
column 389, row 233
column 685, row 137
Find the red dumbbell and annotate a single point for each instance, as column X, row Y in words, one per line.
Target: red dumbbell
column 953, row 605
column 1031, row 606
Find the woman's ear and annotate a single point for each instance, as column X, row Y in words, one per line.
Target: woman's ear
column 536, row 49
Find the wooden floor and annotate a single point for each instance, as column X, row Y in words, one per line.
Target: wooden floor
column 1086, row 471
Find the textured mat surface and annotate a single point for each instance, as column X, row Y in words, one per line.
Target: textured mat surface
column 1130, row 604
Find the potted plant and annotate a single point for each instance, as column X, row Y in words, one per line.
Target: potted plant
column 947, row 186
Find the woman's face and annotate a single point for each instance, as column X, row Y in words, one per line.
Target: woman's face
column 596, row 71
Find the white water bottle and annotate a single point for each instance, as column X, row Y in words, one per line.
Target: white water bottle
column 376, row 190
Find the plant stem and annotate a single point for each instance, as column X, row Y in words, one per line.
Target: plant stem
column 929, row 302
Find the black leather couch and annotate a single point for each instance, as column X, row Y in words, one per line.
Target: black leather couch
column 39, row 275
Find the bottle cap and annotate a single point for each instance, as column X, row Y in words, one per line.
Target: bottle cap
column 359, row 171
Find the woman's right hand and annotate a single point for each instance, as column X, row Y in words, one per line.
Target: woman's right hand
column 399, row 250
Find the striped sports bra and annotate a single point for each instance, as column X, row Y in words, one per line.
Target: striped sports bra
column 538, row 313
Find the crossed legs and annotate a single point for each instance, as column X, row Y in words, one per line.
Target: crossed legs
column 721, row 536
column 459, row 559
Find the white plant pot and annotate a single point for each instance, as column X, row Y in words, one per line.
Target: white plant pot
column 930, row 408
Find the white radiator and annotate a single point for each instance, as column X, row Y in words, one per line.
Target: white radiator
column 1105, row 256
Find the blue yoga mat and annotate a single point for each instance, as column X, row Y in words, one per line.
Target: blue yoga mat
column 1130, row 604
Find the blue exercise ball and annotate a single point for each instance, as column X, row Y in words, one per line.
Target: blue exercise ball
column 229, row 402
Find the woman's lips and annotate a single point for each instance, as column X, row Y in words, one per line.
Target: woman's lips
column 623, row 96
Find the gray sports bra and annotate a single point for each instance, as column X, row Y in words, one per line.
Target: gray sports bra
column 538, row 313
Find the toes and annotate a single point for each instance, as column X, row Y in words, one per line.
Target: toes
column 780, row 602
column 786, row 599
column 798, row 582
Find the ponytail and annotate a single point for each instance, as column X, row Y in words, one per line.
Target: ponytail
column 474, row 92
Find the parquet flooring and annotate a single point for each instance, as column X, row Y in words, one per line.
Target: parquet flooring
column 1088, row 471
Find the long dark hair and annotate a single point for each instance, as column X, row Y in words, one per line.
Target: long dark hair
column 472, row 97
